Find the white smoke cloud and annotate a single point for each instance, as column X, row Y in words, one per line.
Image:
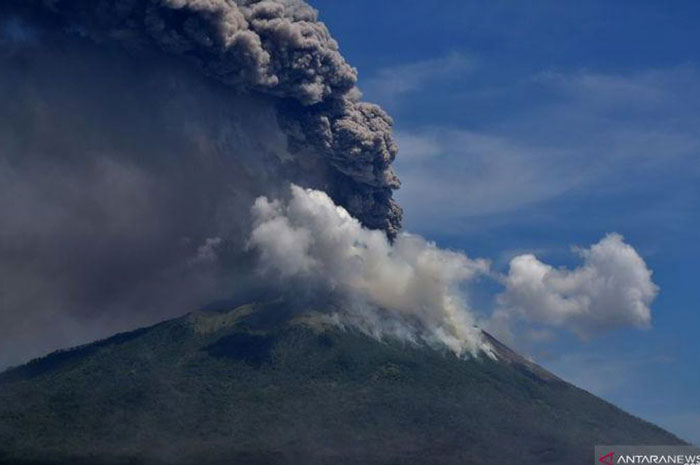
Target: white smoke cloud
column 611, row 289
column 311, row 242
column 207, row 252
column 420, row 286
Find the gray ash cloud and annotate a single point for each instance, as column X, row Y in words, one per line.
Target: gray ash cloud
column 277, row 48
column 134, row 137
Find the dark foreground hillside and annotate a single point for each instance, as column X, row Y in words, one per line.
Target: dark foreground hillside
column 251, row 386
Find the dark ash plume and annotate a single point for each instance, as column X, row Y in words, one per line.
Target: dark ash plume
column 135, row 135
column 272, row 47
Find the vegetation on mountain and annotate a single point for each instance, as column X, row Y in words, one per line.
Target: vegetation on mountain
column 261, row 385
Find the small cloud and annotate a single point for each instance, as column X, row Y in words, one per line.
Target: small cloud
column 207, row 252
column 549, row 138
column 392, row 82
column 452, row 174
column 13, row 29
column 611, row 289
column 540, row 335
column 418, row 147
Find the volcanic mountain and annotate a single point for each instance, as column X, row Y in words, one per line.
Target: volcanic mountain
column 262, row 384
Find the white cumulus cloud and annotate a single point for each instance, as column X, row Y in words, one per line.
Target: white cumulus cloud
column 611, row 289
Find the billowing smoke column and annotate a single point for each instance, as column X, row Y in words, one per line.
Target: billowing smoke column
column 271, row 47
column 410, row 289
column 135, row 135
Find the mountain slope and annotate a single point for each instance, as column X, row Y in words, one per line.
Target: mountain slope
column 257, row 385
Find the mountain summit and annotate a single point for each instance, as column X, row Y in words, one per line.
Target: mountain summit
column 261, row 384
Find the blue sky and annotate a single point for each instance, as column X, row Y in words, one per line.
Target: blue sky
column 538, row 126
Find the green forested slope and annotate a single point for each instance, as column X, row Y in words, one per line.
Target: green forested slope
column 255, row 386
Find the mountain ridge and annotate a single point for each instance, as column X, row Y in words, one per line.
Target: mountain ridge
column 263, row 383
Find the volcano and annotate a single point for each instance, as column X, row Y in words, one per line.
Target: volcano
column 264, row 383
